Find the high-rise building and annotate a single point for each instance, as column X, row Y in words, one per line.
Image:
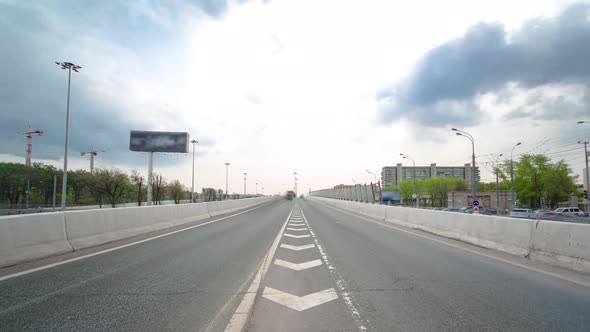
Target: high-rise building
column 392, row 175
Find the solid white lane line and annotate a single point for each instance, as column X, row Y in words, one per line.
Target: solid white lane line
column 296, row 229
column 296, row 236
column 346, row 296
column 297, row 248
column 48, row 266
column 300, row 266
column 240, row 316
column 530, row 268
column 300, row 303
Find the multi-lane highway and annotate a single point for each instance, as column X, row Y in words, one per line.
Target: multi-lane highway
column 295, row 265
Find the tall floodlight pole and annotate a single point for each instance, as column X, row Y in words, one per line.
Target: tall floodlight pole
column 193, row 171
column 64, row 189
column 512, row 172
column 245, row 179
column 497, row 171
column 256, row 188
column 468, row 136
column 295, row 180
column 226, row 173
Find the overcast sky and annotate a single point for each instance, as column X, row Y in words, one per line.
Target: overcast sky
column 327, row 89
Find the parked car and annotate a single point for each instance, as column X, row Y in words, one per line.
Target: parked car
column 570, row 211
column 540, row 212
column 451, row 209
column 463, row 208
column 486, row 211
column 522, row 213
column 553, row 216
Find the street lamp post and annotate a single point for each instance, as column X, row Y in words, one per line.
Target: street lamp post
column 256, row 188
column 245, row 174
column 193, row 176
column 64, row 189
column 405, row 156
column 512, row 172
column 226, row 173
column 295, row 180
column 468, row 135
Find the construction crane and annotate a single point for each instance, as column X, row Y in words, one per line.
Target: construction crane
column 92, row 154
column 29, row 135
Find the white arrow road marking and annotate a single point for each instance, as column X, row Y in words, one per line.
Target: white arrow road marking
column 297, row 229
column 297, row 222
column 297, row 248
column 296, row 236
column 300, row 303
column 300, row 266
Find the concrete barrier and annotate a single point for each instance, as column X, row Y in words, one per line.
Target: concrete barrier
column 32, row 236
column 95, row 227
column 556, row 243
column 563, row 244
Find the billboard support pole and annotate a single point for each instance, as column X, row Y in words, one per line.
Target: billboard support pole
column 150, row 178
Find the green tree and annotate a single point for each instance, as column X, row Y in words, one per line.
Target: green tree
column 138, row 180
column 78, row 181
column 536, row 178
column 111, row 184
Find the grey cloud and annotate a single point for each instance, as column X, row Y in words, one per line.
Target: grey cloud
column 33, row 91
column 486, row 58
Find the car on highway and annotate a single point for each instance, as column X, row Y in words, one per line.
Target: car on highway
column 570, row 211
column 463, row 208
column 451, row 209
column 522, row 213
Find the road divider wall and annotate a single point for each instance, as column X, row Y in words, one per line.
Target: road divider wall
column 35, row 236
column 31, row 236
column 557, row 243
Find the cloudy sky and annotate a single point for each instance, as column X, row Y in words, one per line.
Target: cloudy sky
column 327, row 89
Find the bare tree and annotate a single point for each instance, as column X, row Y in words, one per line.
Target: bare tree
column 176, row 190
column 138, row 180
column 158, row 188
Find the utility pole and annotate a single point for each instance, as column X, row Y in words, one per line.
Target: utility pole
column 497, row 171
column 29, row 135
column 92, row 154
column 256, row 188
column 245, row 175
column 587, row 184
column 512, row 172
column 64, row 189
column 295, row 180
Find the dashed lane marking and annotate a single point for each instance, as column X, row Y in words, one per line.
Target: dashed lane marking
column 297, row 248
column 296, row 236
column 299, row 303
column 300, row 266
column 296, row 229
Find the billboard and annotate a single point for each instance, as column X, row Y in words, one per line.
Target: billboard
column 391, row 195
column 158, row 141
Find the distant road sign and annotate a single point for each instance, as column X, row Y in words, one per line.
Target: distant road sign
column 476, row 209
column 414, row 195
column 414, row 200
column 476, row 203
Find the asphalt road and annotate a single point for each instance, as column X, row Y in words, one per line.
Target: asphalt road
column 331, row 271
column 184, row 282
